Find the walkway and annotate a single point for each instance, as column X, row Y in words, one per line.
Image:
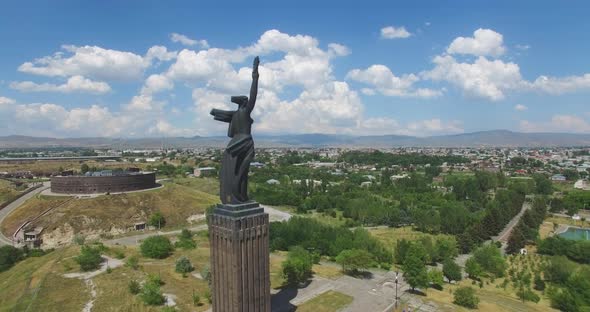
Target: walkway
column 505, row 234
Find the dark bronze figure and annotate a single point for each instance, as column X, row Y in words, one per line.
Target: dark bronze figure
column 239, row 152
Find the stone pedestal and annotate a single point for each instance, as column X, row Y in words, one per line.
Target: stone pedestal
column 240, row 258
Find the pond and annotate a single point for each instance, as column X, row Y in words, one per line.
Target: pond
column 576, row 234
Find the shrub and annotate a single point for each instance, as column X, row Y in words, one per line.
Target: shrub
column 465, row 297
column 79, row 239
column 156, row 247
column 89, row 258
column 206, row 273
column 528, row 295
column 132, row 262
column 452, row 270
column 184, row 265
column 197, row 300
column 185, row 240
column 208, row 296
column 134, row 287
column 9, row 256
column 151, row 294
column 435, row 277
column 157, row 220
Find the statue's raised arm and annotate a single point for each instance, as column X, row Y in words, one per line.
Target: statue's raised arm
column 254, row 87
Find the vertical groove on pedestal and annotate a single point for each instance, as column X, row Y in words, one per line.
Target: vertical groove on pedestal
column 240, row 263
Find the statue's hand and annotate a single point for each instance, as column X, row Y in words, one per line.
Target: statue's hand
column 255, row 67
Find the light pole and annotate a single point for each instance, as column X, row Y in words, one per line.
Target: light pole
column 396, row 275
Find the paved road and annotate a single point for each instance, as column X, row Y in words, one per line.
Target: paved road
column 15, row 204
column 274, row 215
column 505, row 234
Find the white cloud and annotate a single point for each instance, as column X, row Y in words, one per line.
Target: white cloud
column 159, row 53
column 522, row 47
column 520, row 107
column 156, row 83
column 381, row 78
column 391, row 32
column 558, row 123
column 338, row 49
column 483, row 78
column 485, row 42
column 188, row 41
column 88, row 61
column 6, row 101
column 74, row 84
column 164, row 128
column 555, row 85
column 434, row 126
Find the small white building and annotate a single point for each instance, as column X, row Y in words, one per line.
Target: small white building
column 273, row 182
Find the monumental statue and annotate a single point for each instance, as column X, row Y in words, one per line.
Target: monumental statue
column 238, row 227
column 239, row 152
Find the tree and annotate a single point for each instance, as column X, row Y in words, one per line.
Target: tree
column 9, row 256
column 472, row 268
column 89, row 258
column 452, row 270
column 297, row 266
column 465, row 297
column 401, row 249
column 84, row 168
column 542, row 184
column 538, row 282
column 184, row 265
column 436, row 279
column 354, row 260
column 156, row 247
column 445, row 248
column 157, row 220
column 414, row 268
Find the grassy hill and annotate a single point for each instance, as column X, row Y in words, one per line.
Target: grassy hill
column 8, row 191
column 111, row 214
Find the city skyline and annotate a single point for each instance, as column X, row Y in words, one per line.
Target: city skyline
column 137, row 70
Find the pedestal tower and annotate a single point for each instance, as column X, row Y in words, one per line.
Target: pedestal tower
column 238, row 228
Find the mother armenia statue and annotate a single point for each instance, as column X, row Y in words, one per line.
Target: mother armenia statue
column 240, row 150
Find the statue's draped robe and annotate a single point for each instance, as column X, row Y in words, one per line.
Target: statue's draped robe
column 237, row 156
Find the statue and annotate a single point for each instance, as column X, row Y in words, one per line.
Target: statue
column 239, row 152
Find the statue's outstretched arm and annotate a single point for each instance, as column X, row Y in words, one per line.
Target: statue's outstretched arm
column 222, row 115
column 254, row 87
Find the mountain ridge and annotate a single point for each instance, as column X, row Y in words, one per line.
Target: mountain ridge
column 488, row 138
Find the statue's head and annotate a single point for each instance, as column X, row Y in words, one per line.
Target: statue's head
column 240, row 100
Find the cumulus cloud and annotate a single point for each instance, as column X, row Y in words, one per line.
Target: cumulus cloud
column 73, row 84
column 6, row 101
column 391, row 32
column 160, row 53
column 556, row 85
column 483, row 78
column 485, row 42
column 520, row 107
column 558, row 123
column 175, row 37
column 383, row 80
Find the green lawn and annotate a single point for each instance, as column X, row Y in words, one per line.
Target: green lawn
column 330, row 301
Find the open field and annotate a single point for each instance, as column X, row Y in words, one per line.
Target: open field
column 330, row 301
column 108, row 213
column 55, row 166
column 206, row 185
column 389, row 236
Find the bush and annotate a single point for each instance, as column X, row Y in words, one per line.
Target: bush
column 208, row 296
column 134, row 287
column 465, row 297
column 435, row 277
column 156, row 247
column 132, row 262
column 9, row 256
column 151, row 294
column 89, row 258
column 528, row 295
column 157, row 220
column 184, row 265
column 206, row 273
column 79, row 239
column 197, row 300
column 297, row 266
column 185, row 240
column 452, row 270
column 473, row 269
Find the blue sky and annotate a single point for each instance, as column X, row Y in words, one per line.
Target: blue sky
column 141, row 68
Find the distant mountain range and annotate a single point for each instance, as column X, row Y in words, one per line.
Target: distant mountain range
column 494, row 138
